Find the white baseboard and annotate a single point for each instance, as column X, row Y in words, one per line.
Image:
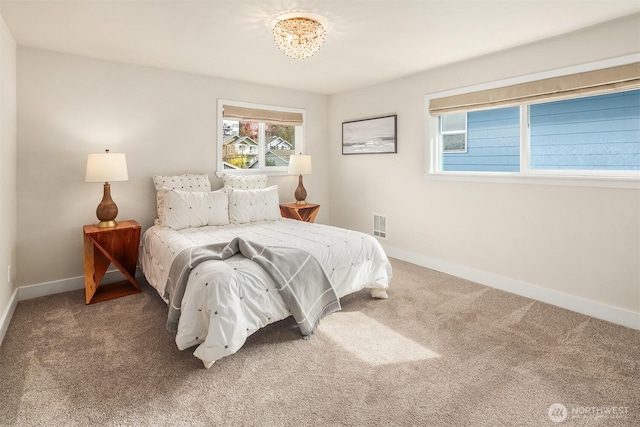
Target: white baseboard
column 8, row 314
column 50, row 288
column 620, row 316
column 65, row 285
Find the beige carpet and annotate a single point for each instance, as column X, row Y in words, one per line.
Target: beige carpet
column 440, row 352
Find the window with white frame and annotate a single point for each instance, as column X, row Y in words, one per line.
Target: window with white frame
column 257, row 138
column 588, row 128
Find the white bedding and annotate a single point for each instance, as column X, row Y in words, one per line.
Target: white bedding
column 226, row 301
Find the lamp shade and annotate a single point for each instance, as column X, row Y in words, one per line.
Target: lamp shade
column 106, row 167
column 300, row 164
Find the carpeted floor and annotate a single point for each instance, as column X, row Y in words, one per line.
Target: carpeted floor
column 441, row 351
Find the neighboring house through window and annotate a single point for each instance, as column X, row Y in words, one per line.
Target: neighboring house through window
column 257, row 138
column 453, row 133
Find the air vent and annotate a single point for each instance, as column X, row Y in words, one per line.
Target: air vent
column 380, row 225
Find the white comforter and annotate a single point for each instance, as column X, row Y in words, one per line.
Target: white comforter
column 226, row 301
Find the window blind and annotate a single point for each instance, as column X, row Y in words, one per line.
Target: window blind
column 624, row 77
column 258, row 115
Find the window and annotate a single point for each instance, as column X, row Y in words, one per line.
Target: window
column 257, row 138
column 453, row 129
column 581, row 125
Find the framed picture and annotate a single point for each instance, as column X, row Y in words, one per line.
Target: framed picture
column 370, row 136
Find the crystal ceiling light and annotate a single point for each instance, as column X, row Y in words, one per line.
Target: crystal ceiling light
column 299, row 37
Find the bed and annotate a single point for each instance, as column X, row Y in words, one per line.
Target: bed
column 225, row 301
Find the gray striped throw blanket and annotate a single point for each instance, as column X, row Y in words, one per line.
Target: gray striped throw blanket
column 302, row 282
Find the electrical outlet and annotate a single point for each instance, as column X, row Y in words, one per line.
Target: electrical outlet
column 9, row 274
column 418, row 235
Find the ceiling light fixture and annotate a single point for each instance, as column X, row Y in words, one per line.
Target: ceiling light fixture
column 299, row 37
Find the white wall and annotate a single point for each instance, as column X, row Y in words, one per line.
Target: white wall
column 8, row 219
column 165, row 122
column 584, row 242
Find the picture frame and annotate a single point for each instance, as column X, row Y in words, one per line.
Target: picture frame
column 377, row 135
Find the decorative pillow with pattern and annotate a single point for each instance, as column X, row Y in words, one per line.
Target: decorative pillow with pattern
column 188, row 209
column 253, row 205
column 245, row 182
column 186, row 182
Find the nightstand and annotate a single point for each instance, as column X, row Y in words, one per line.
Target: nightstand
column 111, row 245
column 307, row 212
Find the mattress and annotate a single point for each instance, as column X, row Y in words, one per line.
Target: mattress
column 226, row 301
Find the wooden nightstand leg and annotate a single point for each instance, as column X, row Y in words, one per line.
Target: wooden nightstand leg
column 313, row 215
column 90, row 283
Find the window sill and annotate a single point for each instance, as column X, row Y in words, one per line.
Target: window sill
column 573, row 180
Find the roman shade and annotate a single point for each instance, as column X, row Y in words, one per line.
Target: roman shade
column 234, row 112
column 624, row 77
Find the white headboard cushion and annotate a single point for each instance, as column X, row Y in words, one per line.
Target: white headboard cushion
column 245, row 182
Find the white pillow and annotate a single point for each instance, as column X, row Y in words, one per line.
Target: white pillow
column 186, row 182
column 185, row 209
column 244, row 182
column 253, row 205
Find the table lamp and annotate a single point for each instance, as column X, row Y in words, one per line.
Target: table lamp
column 106, row 167
column 300, row 165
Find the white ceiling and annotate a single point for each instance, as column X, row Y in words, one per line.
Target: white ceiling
column 367, row 42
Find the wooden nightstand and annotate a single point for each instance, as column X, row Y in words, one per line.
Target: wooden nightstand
column 113, row 245
column 305, row 213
